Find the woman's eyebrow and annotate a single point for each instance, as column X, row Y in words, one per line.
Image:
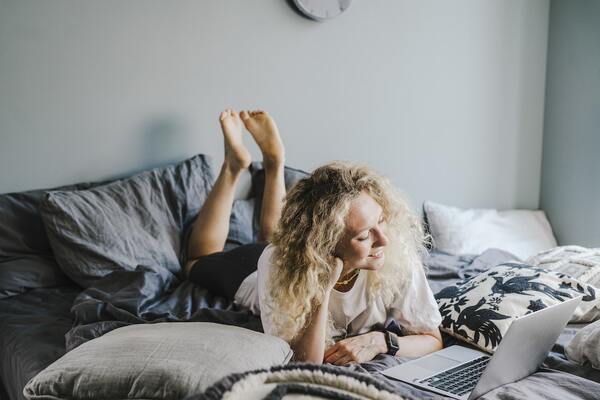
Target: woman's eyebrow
column 368, row 227
column 358, row 232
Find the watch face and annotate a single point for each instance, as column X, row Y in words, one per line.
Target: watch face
column 320, row 10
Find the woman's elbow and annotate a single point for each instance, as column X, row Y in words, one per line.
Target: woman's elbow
column 301, row 356
column 437, row 336
column 311, row 360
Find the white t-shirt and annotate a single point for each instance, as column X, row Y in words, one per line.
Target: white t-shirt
column 415, row 310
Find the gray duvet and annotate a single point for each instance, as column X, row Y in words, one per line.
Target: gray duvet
column 557, row 379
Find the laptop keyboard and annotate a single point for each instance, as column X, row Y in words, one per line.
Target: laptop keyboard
column 461, row 379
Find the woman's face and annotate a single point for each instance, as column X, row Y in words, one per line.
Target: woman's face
column 362, row 245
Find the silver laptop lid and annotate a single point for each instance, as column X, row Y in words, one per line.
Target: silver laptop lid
column 525, row 346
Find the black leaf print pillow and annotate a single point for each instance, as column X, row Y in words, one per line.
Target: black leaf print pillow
column 480, row 309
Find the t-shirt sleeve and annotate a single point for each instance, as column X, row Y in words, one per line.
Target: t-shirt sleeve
column 264, row 298
column 416, row 309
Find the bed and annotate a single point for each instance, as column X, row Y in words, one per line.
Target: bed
column 46, row 313
column 34, row 325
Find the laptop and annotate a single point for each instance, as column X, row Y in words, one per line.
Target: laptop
column 463, row 373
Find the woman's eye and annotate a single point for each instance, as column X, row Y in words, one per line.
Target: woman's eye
column 363, row 238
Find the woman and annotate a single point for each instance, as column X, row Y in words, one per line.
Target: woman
column 344, row 256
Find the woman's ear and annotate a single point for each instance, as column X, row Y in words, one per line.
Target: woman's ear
column 336, row 252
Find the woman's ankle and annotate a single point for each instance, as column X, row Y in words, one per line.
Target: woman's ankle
column 273, row 164
column 231, row 172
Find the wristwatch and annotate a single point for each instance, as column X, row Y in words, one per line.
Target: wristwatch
column 391, row 339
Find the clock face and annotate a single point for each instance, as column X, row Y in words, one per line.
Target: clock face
column 321, row 10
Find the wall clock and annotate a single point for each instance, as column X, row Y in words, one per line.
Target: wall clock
column 321, row 10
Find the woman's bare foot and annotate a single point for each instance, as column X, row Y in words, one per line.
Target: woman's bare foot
column 237, row 156
column 265, row 133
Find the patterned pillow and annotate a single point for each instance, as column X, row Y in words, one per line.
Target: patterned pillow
column 579, row 262
column 480, row 309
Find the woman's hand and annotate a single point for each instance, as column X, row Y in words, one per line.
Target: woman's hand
column 337, row 272
column 356, row 349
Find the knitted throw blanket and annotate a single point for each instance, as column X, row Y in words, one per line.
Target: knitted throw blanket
column 306, row 381
column 579, row 262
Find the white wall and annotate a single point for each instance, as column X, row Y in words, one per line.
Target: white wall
column 446, row 98
column 571, row 164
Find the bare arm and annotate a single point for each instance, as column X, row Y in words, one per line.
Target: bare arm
column 419, row 345
column 309, row 346
column 365, row 347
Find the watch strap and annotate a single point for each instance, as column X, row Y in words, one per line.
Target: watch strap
column 391, row 339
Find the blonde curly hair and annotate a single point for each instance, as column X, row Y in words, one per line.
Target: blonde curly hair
column 313, row 223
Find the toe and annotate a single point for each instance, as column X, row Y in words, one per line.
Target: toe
column 223, row 115
column 244, row 115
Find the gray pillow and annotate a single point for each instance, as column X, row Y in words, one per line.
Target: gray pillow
column 169, row 360
column 291, row 176
column 26, row 258
column 127, row 224
column 244, row 224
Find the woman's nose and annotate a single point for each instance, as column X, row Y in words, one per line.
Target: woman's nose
column 382, row 239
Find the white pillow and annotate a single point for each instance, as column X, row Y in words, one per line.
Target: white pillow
column 472, row 231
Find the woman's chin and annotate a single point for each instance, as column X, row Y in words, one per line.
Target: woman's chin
column 375, row 264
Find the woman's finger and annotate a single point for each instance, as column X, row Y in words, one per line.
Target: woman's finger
column 332, row 359
column 347, row 359
column 330, row 350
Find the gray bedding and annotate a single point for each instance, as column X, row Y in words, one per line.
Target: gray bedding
column 32, row 334
column 32, row 326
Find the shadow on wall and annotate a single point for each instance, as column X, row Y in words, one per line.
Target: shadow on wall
column 163, row 141
column 166, row 140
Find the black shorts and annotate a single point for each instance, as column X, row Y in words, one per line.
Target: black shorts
column 223, row 272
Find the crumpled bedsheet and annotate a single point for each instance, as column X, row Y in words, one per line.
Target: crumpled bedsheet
column 585, row 346
column 143, row 296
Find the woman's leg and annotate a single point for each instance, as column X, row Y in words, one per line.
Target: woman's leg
column 223, row 272
column 210, row 229
column 265, row 133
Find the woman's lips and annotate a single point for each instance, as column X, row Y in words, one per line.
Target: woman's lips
column 379, row 254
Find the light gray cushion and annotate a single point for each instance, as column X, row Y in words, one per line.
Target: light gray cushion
column 169, row 360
